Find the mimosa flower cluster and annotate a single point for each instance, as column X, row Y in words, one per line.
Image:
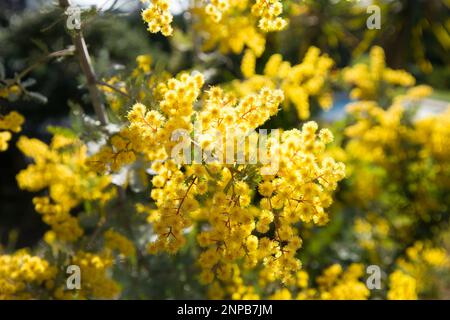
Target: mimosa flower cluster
column 415, row 271
column 219, row 197
column 182, row 177
column 398, row 205
column 334, row 283
column 61, row 167
column 20, row 272
column 229, row 24
column 11, row 122
column 158, row 17
column 237, row 25
column 299, row 82
column 216, row 8
column 269, row 12
column 370, row 80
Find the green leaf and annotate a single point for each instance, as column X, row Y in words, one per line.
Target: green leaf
column 36, row 96
column 63, row 131
column 41, row 45
column 28, row 83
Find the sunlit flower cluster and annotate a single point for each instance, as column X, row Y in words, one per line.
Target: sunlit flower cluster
column 269, row 12
column 334, row 283
column 372, row 231
column 236, row 30
column 11, row 122
column 117, row 241
column 190, row 170
column 299, row 82
column 61, row 167
column 372, row 80
column 421, row 261
column 220, row 197
column 11, row 92
column 158, row 17
column 20, row 272
column 216, row 8
column 402, row 286
column 96, row 282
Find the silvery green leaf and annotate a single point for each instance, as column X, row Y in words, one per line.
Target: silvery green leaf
column 28, row 83
column 120, row 178
column 38, row 97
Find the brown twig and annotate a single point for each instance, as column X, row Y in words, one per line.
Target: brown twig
column 56, row 54
column 115, row 89
column 88, row 70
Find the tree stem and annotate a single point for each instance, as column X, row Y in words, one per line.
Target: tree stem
column 88, row 70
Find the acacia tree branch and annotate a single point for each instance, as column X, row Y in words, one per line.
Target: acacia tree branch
column 115, row 89
column 56, row 54
column 88, row 70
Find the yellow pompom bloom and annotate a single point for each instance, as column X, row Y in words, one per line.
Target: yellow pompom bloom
column 12, row 121
column 369, row 80
column 21, row 272
column 248, row 64
column 158, row 17
column 116, row 241
column 5, row 136
column 401, row 286
column 300, row 83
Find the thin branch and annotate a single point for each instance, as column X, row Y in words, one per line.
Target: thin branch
column 56, row 54
column 102, row 83
column 88, row 70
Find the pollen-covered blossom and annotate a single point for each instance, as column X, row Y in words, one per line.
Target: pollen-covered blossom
column 269, row 12
column 11, row 92
column 334, row 283
column 230, row 26
column 299, row 82
column 117, row 241
column 10, row 122
column 149, row 131
column 21, row 273
column 238, row 231
column 158, row 17
column 402, row 286
column 5, row 136
column 337, row 283
column 370, row 80
column 248, row 63
column 216, row 8
column 421, row 261
column 95, row 281
column 61, row 167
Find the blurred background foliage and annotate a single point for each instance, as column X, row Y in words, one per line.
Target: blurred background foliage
column 414, row 34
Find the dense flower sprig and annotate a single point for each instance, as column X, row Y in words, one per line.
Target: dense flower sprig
column 11, row 122
column 248, row 220
column 269, row 11
column 229, row 30
column 229, row 24
column 218, row 196
column 372, row 80
column 158, row 17
column 402, row 286
column 299, row 82
column 21, row 273
column 61, row 167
